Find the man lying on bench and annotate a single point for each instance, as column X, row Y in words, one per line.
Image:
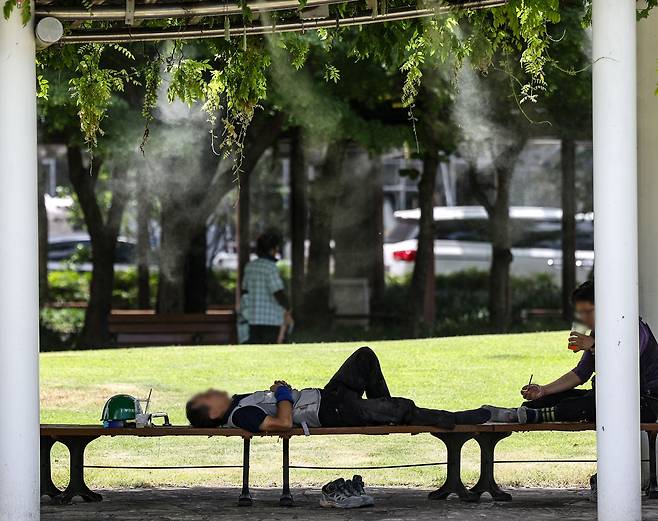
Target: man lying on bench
column 339, row 404
column 561, row 401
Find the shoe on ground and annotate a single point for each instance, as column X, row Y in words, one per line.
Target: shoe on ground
column 336, row 494
column 360, row 488
column 593, row 489
column 502, row 414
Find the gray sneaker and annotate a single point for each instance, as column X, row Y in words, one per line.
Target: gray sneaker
column 522, row 414
column 502, row 414
column 336, row 494
column 359, row 487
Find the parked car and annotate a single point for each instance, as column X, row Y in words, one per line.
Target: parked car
column 462, row 241
column 74, row 251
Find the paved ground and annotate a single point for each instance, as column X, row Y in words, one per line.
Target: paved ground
column 204, row 504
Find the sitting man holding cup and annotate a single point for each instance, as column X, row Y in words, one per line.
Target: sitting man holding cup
column 560, row 400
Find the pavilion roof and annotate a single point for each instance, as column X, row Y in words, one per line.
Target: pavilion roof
column 152, row 20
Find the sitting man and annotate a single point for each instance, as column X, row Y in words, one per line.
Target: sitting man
column 560, row 401
column 339, row 404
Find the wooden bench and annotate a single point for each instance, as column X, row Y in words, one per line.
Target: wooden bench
column 135, row 328
column 77, row 437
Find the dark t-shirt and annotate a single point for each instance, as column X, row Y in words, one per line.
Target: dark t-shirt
column 248, row 418
column 648, row 362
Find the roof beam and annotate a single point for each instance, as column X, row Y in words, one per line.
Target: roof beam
column 165, row 11
column 155, row 11
column 193, row 33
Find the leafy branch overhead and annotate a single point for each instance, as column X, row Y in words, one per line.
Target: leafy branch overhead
column 230, row 76
column 23, row 5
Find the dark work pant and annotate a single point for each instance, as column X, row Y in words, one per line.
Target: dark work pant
column 263, row 334
column 343, row 404
column 572, row 405
column 580, row 405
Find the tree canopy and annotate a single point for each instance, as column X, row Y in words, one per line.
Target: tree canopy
column 231, row 77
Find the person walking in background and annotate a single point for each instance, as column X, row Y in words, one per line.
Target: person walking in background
column 264, row 303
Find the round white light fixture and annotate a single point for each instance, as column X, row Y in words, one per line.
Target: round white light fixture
column 48, row 31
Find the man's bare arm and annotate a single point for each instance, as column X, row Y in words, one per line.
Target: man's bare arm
column 281, row 422
column 564, row 383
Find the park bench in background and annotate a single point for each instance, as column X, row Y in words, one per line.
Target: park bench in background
column 77, row 437
column 541, row 313
column 134, row 328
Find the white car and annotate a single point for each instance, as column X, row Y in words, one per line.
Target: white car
column 462, row 241
column 62, row 252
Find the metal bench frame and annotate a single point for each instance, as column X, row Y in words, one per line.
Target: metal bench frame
column 77, row 438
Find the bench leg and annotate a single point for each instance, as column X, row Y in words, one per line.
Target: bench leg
column 487, row 482
column 652, row 487
column 245, row 499
column 48, row 488
column 77, row 485
column 286, row 497
column 454, row 441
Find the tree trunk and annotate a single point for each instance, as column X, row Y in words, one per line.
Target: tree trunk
column 568, row 225
column 357, row 234
column 499, row 278
column 298, row 217
column 500, row 308
column 43, row 240
column 96, row 327
column 174, row 244
column 196, row 273
column 324, row 192
column 423, row 282
column 103, row 234
column 143, row 243
column 375, row 254
column 497, row 207
column 193, row 211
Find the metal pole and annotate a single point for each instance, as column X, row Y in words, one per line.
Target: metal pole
column 19, row 276
column 616, row 252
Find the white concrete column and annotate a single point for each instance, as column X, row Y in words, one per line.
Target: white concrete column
column 19, row 281
column 616, row 253
column 647, row 125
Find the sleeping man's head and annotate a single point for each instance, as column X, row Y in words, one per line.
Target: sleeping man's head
column 208, row 408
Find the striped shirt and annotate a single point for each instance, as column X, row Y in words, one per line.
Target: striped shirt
column 260, row 282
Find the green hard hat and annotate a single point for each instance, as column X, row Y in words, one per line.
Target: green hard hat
column 121, row 407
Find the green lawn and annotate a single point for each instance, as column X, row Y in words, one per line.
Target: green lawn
column 450, row 373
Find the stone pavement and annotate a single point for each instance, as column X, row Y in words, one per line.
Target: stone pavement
column 206, row 504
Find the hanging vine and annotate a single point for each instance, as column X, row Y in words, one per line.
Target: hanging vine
column 94, row 86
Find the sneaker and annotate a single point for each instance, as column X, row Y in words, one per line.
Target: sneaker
column 527, row 415
column 336, row 495
column 502, row 414
column 359, row 486
column 350, row 488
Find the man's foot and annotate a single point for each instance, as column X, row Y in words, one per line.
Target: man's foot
column 472, row 417
column 359, row 487
column 336, row 494
column 502, row 414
